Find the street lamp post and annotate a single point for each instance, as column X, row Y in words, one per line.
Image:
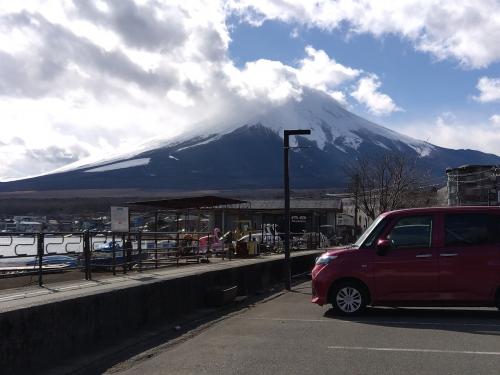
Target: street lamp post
column 286, row 140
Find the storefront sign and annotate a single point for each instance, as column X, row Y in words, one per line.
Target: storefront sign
column 299, row 219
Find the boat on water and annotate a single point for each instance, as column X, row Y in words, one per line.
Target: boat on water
column 110, row 254
column 50, row 263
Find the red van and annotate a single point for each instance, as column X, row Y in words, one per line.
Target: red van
column 448, row 256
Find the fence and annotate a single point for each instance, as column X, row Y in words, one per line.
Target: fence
column 38, row 254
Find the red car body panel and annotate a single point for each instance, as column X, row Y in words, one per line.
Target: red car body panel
column 346, row 261
column 467, row 275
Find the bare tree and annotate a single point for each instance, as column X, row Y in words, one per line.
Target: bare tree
column 385, row 183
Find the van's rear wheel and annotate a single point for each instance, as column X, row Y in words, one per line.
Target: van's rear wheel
column 349, row 298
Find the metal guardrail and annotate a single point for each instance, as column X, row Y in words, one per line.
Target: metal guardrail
column 90, row 252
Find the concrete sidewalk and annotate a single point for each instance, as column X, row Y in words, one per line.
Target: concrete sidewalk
column 69, row 319
column 28, row 296
column 289, row 335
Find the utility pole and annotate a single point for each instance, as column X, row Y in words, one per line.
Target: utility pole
column 356, row 193
column 286, row 140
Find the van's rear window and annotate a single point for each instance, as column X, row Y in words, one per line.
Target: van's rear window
column 471, row 229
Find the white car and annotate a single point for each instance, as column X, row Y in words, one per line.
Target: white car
column 268, row 239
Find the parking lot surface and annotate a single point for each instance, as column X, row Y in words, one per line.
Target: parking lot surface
column 289, row 335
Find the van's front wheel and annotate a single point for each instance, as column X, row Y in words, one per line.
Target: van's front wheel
column 348, row 299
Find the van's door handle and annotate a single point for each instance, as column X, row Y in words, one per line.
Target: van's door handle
column 448, row 254
column 423, row 256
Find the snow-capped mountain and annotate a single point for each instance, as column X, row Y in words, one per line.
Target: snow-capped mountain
column 247, row 153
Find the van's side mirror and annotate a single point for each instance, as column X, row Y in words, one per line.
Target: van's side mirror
column 383, row 246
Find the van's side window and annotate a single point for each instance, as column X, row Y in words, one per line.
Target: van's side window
column 412, row 231
column 471, row 229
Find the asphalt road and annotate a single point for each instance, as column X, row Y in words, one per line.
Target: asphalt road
column 289, row 335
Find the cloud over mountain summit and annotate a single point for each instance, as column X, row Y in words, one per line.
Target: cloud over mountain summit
column 82, row 78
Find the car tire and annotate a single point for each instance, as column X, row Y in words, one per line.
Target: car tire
column 497, row 300
column 349, row 298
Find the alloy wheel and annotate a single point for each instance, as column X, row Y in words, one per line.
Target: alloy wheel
column 349, row 300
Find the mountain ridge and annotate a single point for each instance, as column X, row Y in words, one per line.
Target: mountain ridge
column 247, row 153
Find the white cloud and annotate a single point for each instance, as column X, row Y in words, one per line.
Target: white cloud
column 264, row 79
column 320, row 72
column 447, row 131
column 489, row 90
column 465, row 30
column 77, row 124
column 495, row 120
column 277, row 82
column 94, row 78
column 180, row 98
column 367, row 93
column 340, row 97
column 99, row 77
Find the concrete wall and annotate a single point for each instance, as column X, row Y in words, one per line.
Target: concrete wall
column 36, row 337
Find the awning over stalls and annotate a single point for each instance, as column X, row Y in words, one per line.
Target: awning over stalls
column 200, row 202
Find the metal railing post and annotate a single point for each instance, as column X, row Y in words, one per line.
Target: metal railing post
column 178, row 248
column 156, row 250
column 124, row 254
column 208, row 243
column 40, row 258
column 139, row 249
column 113, row 243
column 86, row 255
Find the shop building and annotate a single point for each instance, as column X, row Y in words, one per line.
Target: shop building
column 306, row 215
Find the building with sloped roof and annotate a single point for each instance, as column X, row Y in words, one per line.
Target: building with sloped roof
column 306, row 215
column 473, row 185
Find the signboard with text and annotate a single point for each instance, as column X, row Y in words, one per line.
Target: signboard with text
column 299, row 219
column 119, row 219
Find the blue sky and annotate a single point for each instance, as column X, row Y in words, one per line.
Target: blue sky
column 424, row 87
column 84, row 80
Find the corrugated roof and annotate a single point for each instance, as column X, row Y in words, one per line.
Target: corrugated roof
column 295, row 204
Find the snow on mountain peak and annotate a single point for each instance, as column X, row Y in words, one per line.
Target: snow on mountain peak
column 330, row 123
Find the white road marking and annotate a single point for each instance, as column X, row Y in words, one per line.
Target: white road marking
column 446, row 324
column 287, row 319
column 412, row 350
column 404, row 323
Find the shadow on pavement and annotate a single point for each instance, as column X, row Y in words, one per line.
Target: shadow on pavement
column 156, row 338
column 486, row 322
column 302, row 289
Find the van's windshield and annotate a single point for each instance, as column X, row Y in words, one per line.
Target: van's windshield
column 371, row 233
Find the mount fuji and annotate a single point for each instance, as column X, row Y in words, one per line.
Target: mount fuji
column 247, row 153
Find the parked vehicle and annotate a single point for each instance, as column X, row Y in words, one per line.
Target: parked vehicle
column 105, row 256
column 108, row 246
column 447, row 256
column 59, row 261
column 268, row 236
column 329, row 232
column 213, row 243
column 308, row 240
column 64, row 261
column 267, row 239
